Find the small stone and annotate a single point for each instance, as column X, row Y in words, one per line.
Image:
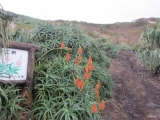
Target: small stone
column 151, row 104
column 136, row 115
column 157, row 111
column 115, row 111
column 152, row 116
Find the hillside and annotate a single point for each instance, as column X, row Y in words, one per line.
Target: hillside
column 128, row 32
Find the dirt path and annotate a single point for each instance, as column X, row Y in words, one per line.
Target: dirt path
column 136, row 92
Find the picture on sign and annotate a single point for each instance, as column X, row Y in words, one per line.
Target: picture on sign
column 13, row 64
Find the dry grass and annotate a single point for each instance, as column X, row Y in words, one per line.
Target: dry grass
column 128, row 32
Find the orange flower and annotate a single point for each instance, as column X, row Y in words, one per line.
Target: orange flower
column 68, row 56
column 96, row 90
column 86, row 75
column 80, row 50
column 76, row 81
column 80, row 84
column 94, row 108
column 91, row 67
column 87, row 69
column 78, row 60
column 98, row 85
column 102, row 105
column 89, row 60
column 62, row 45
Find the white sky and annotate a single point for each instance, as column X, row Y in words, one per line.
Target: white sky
column 93, row 11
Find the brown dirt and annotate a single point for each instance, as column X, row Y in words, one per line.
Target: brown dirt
column 136, row 92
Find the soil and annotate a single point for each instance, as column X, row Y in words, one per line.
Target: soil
column 136, row 91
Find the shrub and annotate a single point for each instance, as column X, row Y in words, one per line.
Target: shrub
column 10, row 102
column 135, row 47
column 149, row 50
column 50, row 36
column 124, row 47
column 139, row 22
column 56, row 97
column 110, row 49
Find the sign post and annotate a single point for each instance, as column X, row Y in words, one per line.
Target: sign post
column 17, row 63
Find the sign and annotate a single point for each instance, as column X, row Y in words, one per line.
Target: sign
column 17, row 63
column 13, row 64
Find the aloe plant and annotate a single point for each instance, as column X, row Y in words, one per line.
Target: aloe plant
column 56, row 96
column 149, row 50
column 10, row 102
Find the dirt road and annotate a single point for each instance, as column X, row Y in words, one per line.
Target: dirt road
column 136, row 92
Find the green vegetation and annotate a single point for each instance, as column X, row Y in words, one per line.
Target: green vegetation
column 56, row 93
column 135, row 47
column 10, row 102
column 139, row 22
column 149, row 51
column 108, row 48
column 25, row 20
column 124, row 47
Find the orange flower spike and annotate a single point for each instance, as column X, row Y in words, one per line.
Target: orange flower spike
column 87, row 69
column 78, row 60
column 102, row 105
column 91, row 67
column 80, row 84
column 89, row 60
column 76, row 81
column 86, row 75
column 98, row 85
column 80, row 50
column 94, row 108
column 62, row 45
column 68, row 56
column 96, row 92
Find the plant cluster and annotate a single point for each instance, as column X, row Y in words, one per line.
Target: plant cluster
column 59, row 68
column 109, row 48
column 69, row 84
column 65, row 88
column 149, row 50
column 135, row 47
column 10, row 102
column 124, row 46
column 24, row 20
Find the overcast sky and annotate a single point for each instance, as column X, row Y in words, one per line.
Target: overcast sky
column 93, row 11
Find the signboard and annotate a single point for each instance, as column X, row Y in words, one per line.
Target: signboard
column 17, row 63
column 13, row 64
